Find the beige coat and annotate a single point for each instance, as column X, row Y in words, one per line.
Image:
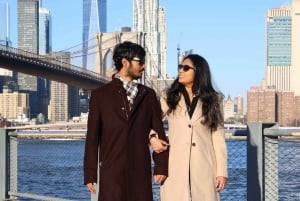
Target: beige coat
column 195, row 153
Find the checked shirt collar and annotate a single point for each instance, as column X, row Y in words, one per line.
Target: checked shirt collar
column 130, row 88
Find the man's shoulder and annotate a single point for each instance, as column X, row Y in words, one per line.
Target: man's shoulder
column 102, row 89
column 144, row 87
column 104, row 86
column 148, row 90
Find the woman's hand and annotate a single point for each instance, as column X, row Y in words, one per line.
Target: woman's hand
column 159, row 178
column 158, row 145
column 221, row 183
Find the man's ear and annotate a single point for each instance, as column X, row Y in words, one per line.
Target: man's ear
column 125, row 62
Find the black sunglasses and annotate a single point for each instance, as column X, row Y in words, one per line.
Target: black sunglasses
column 142, row 62
column 185, row 68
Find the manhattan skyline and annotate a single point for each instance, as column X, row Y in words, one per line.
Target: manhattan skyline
column 230, row 35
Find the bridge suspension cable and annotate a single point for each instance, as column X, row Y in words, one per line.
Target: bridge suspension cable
column 93, row 49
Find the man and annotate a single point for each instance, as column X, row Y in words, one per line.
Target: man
column 121, row 116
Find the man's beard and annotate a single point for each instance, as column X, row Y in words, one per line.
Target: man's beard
column 134, row 76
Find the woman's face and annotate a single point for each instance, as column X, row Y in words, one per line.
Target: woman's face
column 186, row 73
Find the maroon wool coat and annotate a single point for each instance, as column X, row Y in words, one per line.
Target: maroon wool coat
column 123, row 138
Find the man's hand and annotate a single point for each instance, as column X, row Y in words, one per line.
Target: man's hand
column 158, row 145
column 159, row 178
column 91, row 187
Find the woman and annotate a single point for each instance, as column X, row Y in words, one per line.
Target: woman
column 198, row 153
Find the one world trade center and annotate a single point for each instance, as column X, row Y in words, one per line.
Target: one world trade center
column 94, row 20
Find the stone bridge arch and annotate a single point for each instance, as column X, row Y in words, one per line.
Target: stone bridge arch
column 106, row 43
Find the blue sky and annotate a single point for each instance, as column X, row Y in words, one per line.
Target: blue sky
column 229, row 34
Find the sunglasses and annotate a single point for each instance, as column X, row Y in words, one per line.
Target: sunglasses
column 185, row 68
column 141, row 62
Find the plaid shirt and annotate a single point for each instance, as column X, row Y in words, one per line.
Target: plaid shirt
column 130, row 88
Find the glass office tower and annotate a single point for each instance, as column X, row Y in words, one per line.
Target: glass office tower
column 94, row 20
column 28, row 15
column 4, row 24
column 44, row 48
column 44, row 31
column 5, row 75
column 278, row 48
column 28, row 25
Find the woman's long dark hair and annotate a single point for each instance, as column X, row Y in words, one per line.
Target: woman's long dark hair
column 211, row 99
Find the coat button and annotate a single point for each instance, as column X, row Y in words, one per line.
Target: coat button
column 190, row 126
column 193, row 144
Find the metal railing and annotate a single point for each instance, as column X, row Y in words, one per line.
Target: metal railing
column 264, row 166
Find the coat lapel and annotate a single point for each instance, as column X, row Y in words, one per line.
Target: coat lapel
column 183, row 109
column 197, row 112
column 138, row 99
column 121, row 99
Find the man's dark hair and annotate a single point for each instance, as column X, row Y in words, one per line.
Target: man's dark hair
column 127, row 50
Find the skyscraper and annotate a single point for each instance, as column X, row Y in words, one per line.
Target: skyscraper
column 295, row 56
column 145, row 19
column 28, row 40
column 239, row 105
column 163, row 47
column 44, row 48
column 278, row 48
column 44, row 31
column 228, row 109
column 4, row 24
column 296, row 47
column 58, row 106
column 4, row 38
column 64, row 102
column 94, row 20
column 28, row 25
column 282, row 48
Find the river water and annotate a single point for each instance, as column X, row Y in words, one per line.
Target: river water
column 54, row 168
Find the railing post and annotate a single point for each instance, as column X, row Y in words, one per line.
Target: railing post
column 255, row 161
column 271, row 167
column 4, row 163
column 13, row 163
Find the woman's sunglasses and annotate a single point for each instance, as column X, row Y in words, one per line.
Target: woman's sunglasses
column 185, row 68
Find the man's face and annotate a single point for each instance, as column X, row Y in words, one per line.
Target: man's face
column 136, row 68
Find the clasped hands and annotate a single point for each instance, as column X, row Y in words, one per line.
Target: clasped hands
column 158, row 145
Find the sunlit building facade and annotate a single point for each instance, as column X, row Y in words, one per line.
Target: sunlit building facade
column 163, row 43
column 228, row 109
column 282, row 58
column 278, row 48
column 295, row 57
column 261, row 104
column 145, row 19
column 295, row 47
column 13, row 104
